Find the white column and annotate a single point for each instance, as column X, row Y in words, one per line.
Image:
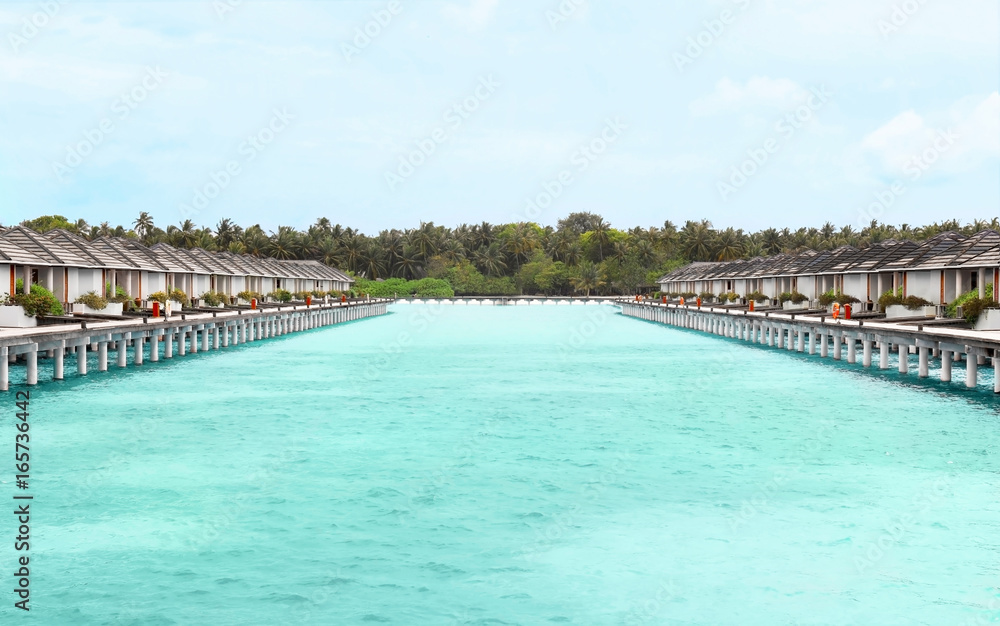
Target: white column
column 971, row 370
column 945, row 366
column 168, row 344
column 852, row 350
column 58, row 355
column 867, row 352
column 4, row 368
column 923, row 368
column 996, row 369
column 139, row 344
column 102, row 356
column 204, row 339
column 812, row 341
column 838, row 346
column 31, row 356
column 904, row 354
column 181, row 343
column 215, row 336
column 824, row 347
column 154, row 348
column 802, row 340
column 122, row 351
column 883, row 355
column 225, row 336
column 194, row 340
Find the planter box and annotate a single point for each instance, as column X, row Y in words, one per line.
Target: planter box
column 898, row 310
column 989, row 319
column 113, row 308
column 14, row 317
column 788, row 305
column 173, row 307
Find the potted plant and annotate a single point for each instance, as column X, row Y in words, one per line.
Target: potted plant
column 91, row 303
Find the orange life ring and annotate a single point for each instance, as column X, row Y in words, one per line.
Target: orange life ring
column 836, row 310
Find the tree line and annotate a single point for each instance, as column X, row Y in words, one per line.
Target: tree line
column 583, row 253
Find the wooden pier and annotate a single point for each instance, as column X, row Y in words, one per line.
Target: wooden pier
column 180, row 334
column 835, row 337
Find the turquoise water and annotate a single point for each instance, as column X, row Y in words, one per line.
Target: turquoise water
column 509, row 465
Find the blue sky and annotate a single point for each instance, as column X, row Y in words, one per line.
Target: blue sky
column 466, row 110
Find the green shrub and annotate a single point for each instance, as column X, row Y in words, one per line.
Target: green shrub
column 757, row 297
column 213, row 298
column 828, row 298
column 890, row 298
column 972, row 305
column 706, row 295
column 843, row 298
column 93, row 300
column 249, row 295
column 281, row 295
column 687, row 294
column 915, row 302
column 784, row 297
column 730, row 296
column 39, row 303
column 799, row 298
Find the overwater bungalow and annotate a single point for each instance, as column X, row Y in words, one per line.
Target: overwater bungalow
column 70, row 266
column 939, row 270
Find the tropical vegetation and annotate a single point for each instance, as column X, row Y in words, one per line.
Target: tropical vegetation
column 581, row 254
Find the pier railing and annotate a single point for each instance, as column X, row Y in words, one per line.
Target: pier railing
column 188, row 332
column 828, row 335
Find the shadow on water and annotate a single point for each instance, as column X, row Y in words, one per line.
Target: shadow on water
column 982, row 395
column 72, row 379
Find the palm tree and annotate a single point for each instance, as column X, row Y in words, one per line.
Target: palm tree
column 601, row 234
column 588, row 277
column 729, row 245
column 143, row 225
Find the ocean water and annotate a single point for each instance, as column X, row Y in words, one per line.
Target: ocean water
column 508, row 465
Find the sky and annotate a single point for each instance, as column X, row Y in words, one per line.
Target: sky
column 747, row 113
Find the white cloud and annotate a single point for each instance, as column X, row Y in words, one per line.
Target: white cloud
column 972, row 124
column 759, row 91
column 473, row 17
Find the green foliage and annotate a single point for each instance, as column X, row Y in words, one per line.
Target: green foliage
column 972, row 305
column 213, row 298
column 49, row 222
column 706, row 295
column 38, row 303
column 398, row 287
column 302, row 295
column 792, row 296
column 687, row 295
column 248, row 295
column 757, row 297
column 93, row 300
column 843, row 299
column 281, row 295
column 890, row 298
column 179, row 296
column 828, row 298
